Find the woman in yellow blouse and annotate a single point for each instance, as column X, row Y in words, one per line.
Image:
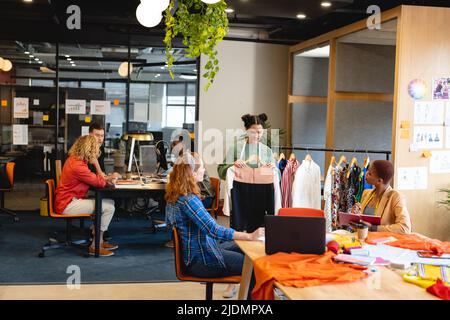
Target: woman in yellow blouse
column 383, row 200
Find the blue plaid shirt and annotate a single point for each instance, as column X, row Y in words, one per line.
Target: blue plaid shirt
column 198, row 231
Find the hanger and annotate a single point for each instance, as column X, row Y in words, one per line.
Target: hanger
column 333, row 161
column 292, row 157
column 353, row 163
column 342, row 160
column 366, row 161
column 308, row 156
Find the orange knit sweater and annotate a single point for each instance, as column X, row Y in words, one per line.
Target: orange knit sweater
column 300, row 270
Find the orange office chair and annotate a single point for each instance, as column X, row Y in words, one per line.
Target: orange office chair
column 57, row 171
column 8, row 186
column 301, row 212
column 53, row 243
column 215, row 183
column 182, row 276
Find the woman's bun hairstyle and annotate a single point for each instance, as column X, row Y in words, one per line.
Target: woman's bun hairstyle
column 250, row 120
column 263, row 117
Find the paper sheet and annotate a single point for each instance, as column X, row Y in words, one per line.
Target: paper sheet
column 429, row 137
column 21, row 108
column 447, row 137
column 440, row 162
column 74, row 106
column 100, row 107
column 20, row 134
column 412, row 178
column 429, row 112
column 84, row 130
column 400, row 256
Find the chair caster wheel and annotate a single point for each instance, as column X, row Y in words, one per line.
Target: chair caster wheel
column 41, row 255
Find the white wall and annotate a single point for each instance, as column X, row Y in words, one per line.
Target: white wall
column 252, row 79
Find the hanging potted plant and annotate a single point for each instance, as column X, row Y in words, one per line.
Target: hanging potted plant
column 202, row 26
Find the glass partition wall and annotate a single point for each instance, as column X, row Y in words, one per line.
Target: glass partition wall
column 48, row 74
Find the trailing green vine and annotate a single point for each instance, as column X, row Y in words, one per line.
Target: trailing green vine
column 202, row 26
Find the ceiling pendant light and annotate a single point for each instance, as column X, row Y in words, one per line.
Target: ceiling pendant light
column 123, row 69
column 210, row 1
column 7, row 65
column 2, row 61
column 159, row 5
column 149, row 13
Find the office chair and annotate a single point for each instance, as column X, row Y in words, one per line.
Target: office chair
column 215, row 183
column 7, row 186
column 53, row 243
column 57, row 171
column 301, row 212
column 182, row 276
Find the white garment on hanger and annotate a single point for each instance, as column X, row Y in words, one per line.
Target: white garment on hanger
column 306, row 186
column 229, row 185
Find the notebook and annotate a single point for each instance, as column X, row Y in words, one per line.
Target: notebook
column 346, row 218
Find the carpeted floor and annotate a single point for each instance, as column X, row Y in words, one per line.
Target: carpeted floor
column 141, row 257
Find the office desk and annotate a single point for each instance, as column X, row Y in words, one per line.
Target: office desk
column 138, row 191
column 388, row 286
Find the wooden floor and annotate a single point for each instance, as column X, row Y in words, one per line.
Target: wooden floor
column 131, row 291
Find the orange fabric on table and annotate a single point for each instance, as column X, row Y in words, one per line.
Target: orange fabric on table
column 300, row 270
column 412, row 241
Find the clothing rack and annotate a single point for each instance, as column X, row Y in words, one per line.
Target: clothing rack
column 387, row 153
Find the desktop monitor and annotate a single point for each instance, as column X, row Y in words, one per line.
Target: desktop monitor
column 161, row 155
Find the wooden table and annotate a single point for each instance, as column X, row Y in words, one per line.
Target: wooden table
column 387, row 285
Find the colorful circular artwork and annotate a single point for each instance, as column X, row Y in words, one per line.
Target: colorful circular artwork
column 417, row 89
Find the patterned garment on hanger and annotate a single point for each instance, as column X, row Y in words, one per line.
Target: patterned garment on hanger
column 343, row 188
column 353, row 186
column 328, row 197
column 335, row 194
column 363, row 185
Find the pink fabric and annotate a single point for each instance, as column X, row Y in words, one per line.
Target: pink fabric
column 254, row 176
column 286, row 183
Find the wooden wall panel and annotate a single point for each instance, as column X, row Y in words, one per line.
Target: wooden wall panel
column 424, row 52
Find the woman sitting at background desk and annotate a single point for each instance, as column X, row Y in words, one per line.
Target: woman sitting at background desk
column 76, row 178
column 383, row 200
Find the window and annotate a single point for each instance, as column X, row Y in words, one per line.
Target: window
column 92, row 84
column 180, row 104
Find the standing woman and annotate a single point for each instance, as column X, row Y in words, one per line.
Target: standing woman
column 251, row 151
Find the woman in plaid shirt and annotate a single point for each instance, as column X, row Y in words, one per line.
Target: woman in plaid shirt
column 208, row 248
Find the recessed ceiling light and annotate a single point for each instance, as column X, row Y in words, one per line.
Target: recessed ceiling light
column 229, row 10
column 40, row 62
column 28, row 1
column 162, row 68
column 27, row 52
column 36, row 59
column 195, row 70
column 326, row 4
column 301, row 16
column 67, row 56
column 69, row 59
column 31, row 56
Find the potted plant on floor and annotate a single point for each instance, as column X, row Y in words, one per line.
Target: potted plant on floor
column 202, row 27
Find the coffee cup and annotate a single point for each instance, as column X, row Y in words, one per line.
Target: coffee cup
column 363, row 231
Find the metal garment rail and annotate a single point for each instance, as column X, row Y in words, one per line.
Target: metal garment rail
column 387, row 153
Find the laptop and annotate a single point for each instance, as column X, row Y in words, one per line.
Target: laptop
column 295, row 234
